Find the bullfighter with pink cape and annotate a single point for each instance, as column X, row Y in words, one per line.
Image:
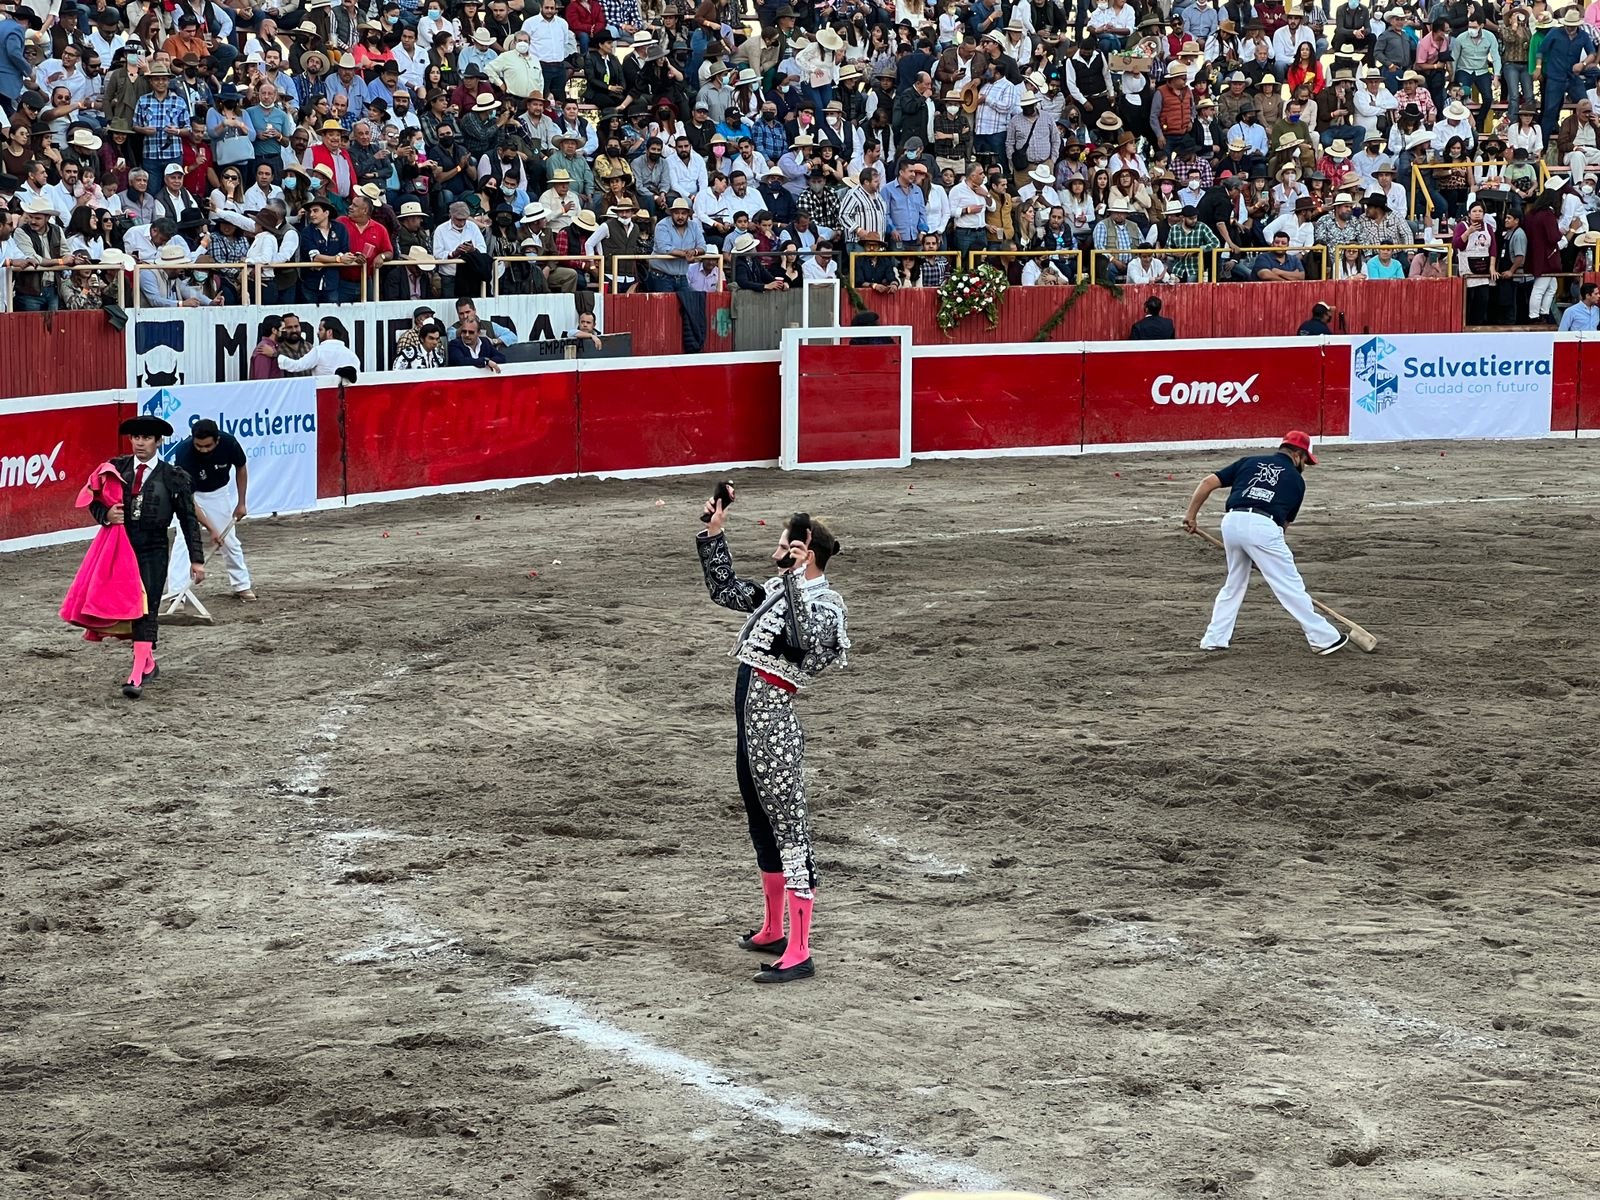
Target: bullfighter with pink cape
column 135, row 498
column 107, row 595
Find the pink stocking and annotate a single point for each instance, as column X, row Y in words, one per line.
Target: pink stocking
column 799, row 931
column 143, row 660
column 772, row 894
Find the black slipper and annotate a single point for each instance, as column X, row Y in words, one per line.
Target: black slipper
column 777, row 947
column 132, row 691
column 773, row 973
column 153, row 673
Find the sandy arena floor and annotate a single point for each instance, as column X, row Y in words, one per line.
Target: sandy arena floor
column 421, row 877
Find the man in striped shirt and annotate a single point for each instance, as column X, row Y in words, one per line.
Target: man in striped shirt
column 863, row 211
column 1001, row 101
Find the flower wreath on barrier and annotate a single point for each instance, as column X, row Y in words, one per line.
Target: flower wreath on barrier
column 967, row 292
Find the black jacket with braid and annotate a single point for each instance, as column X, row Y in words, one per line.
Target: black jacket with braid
column 167, row 492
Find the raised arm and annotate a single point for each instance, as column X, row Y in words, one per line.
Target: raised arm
column 726, row 588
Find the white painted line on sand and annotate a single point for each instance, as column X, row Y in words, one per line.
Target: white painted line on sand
column 409, row 937
column 571, row 1021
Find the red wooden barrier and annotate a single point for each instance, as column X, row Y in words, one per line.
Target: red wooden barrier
column 675, row 416
column 434, row 433
column 1198, row 310
column 1568, row 404
column 656, row 323
column 67, row 352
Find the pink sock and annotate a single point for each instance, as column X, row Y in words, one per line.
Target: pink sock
column 772, row 894
column 799, row 931
column 143, row 660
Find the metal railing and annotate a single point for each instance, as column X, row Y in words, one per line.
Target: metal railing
column 1470, row 167
column 899, row 256
column 1406, row 248
column 1074, row 258
column 118, row 279
column 722, row 282
column 593, row 263
column 1097, row 263
column 1316, row 251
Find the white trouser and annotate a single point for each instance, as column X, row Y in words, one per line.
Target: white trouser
column 1542, row 297
column 1252, row 538
column 218, row 507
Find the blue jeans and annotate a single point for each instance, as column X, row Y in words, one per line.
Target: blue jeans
column 48, row 300
column 966, row 240
column 1556, row 93
column 691, row 306
column 1518, row 82
column 1482, row 87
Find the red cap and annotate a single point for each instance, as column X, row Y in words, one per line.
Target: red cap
column 1300, row 440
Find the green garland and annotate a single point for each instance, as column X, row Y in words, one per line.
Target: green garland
column 1060, row 315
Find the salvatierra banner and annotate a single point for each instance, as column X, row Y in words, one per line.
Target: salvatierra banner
column 213, row 345
column 275, row 421
column 1430, row 386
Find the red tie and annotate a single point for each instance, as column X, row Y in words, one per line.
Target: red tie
column 138, row 477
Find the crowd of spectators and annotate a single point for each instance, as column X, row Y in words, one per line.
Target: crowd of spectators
column 412, row 149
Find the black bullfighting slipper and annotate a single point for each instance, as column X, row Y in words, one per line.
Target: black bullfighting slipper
column 773, row 973
column 153, row 674
column 132, row 691
column 777, row 947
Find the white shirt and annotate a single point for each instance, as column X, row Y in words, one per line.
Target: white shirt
column 688, row 179
column 962, row 197
column 447, row 238
column 816, row 271
column 937, row 210
column 1301, row 233
column 549, row 38
column 255, row 199
column 1370, row 105
column 63, row 200
column 413, row 66
column 136, row 244
column 711, row 207
column 326, row 357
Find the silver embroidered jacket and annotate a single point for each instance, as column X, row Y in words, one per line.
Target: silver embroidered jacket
column 793, row 632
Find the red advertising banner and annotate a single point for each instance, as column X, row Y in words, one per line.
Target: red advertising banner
column 1193, row 395
column 45, row 459
column 437, row 432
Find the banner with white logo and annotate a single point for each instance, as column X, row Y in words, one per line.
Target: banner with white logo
column 213, row 345
column 275, row 421
column 1451, row 385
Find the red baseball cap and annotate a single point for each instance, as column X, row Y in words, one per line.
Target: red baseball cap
column 1300, row 440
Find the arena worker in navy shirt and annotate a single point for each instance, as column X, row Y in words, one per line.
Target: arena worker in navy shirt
column 1265, row 492
column 216, row 462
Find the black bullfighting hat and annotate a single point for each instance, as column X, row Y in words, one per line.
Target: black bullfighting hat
column 144, row 426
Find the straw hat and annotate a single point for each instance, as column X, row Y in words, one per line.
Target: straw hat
column 1456, row 111
column 38, row 205
column 485, row 103
column 1339, row 150
column 1572, row 18
column 172, row 252
column 482, row 37
column 535, row 212
column 1344, row 198
column 745, row 243
column 331, row 125
column 346, row 62
column 1042, row 176
column 829, row 40
column 1288, row 140
column 417, row 254
column 411, row 209
column 584, row 219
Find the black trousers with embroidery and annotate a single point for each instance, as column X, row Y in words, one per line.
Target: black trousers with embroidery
column 761, row 837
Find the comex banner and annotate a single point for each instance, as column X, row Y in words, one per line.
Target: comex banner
column 1435, row 386
column 213, row 345
column 275, row 421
